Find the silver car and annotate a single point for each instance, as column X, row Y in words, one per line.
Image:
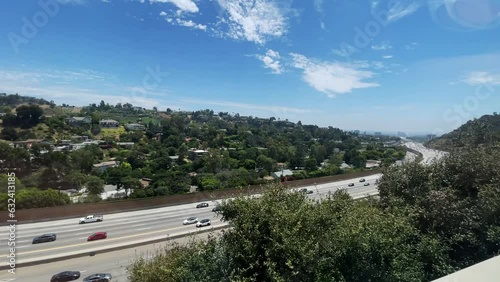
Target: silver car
column 203, row 222
column 98, row 277
column 190, row 220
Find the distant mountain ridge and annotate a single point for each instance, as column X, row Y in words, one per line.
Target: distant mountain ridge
column 477, row 132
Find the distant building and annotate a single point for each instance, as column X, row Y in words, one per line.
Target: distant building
column 282, row 173
column 372, row 164
column 344, row 166
column 378, row 133
column 79, row 121
column 27, row 144
column 431, row 136
column 135, row 126
column 109, row 123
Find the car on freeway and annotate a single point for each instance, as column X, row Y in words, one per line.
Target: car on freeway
column 91, row 218
column 97, row 236
column 202, row 205
column 190, row 220
column 217, row 209
column 305, row 191
column 44, row 238
column 350, row 184
column 367, row 184
column 362, row 180
column 203, row 222
column 98, row 277
column 65, row 276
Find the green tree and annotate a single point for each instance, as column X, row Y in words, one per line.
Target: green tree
column 95, row 185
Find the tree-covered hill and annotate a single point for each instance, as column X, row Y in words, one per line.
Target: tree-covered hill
column 51, row 148
column 478, row 132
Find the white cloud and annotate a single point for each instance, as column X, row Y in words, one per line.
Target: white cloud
column 387, row 56
column 192, row 24
column 228, row 104
column 333, row 78
column 253, row 20
column 183, row 5
column 400, row 11
column 319, row 5
column 482, row 77
column 179, row 21
column 385, row 45
column 271, row 61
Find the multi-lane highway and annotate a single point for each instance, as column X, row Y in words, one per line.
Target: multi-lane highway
column 127, row 228
column 428, row 155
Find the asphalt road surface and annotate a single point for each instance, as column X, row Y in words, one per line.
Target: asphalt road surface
column 428, row 155
column 123, row 228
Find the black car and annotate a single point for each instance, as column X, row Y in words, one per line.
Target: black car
column 216, row 209
column 350, row 184
column 44, row 238
column 65, row 276
column 305, row 191
column 98, row 277
column 202, row 205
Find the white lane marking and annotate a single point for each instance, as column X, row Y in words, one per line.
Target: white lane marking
column 145, row 228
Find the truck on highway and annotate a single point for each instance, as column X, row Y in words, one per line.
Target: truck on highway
column 91, row 218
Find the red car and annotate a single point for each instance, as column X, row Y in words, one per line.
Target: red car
column 97, row 236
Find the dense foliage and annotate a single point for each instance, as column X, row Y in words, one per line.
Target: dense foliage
column 233, row 151
column 428, row 222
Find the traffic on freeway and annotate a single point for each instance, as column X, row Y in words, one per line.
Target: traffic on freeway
column 126, row 228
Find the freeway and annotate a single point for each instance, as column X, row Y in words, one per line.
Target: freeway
column 428, row 155
column 133, row 227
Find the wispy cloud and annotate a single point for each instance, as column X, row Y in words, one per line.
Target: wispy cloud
column 183, row 5
column 272, row 109
column 256, row 21
column 179, row 21
column 482, row 77
column 318, row 4
column 385, row 45
column 271, row 61
column 411, row 46
column 387, row 56
column 401, row 10
column 332, row 78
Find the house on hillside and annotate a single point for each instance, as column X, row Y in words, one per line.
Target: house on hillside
column 109, row 123
column 344, row 166
column 135, row 126
column 105, row 165
column 282, row 173
column 27, row 144
column 79, row 121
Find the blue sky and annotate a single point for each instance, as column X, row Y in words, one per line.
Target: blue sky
column 413, row 66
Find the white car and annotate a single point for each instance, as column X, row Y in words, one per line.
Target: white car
column 190, row 220
column 203, row 222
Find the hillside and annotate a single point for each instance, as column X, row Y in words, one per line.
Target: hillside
column 474, row 133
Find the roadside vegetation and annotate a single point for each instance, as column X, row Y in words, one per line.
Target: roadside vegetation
column 427, row 222
column 174, row 152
